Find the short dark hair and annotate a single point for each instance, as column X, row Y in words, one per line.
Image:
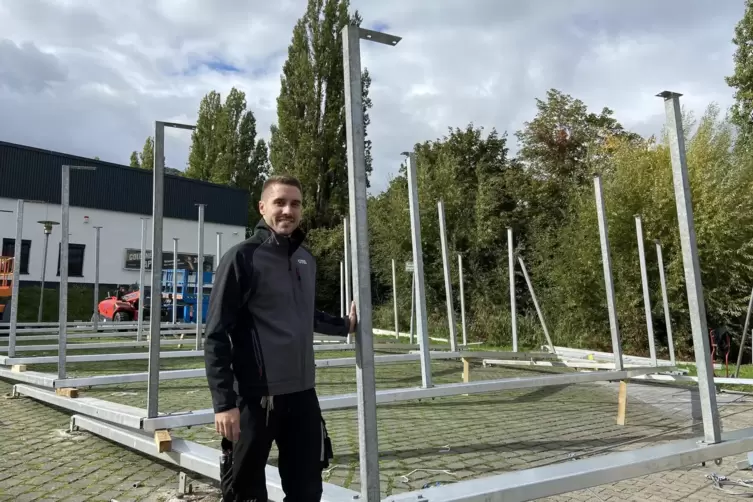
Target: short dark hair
column 281, row 179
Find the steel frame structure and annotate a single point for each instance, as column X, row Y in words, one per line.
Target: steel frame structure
column 195, row 457
column 531, row 483
column 89, row 336
column 49, row 380
column 515, row 486
column 28, row 360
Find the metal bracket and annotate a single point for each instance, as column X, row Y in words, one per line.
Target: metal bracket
column 184, row 488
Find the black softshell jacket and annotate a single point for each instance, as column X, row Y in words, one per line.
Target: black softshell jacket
column 261, row 320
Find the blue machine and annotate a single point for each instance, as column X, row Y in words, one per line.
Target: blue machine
column 186, row 297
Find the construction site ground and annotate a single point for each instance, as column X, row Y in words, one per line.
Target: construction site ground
column 421, row 442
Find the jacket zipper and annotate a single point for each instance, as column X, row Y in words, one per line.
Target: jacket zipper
column 292, row 280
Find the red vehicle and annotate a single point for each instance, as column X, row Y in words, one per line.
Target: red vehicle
column 121, row 307
column 124, row 305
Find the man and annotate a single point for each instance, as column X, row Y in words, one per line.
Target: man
column 259, row 353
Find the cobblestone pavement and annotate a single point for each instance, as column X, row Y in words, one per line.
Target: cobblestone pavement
column 442, row 440
column 41, row 461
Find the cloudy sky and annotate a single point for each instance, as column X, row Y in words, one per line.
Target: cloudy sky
column 89, row 77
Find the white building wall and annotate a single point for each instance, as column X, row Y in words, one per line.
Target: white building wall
column 120, row 231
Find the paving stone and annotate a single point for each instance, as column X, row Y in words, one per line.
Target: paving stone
column 469, row 436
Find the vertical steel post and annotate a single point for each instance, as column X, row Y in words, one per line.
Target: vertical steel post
column 219, row 250
column 96, row 278
column 175, row 280
column 696, row 307
column 452, row 335
column 513, row 309
column 422, row 322
column 462, row 300
column 142, row 281
column 348, row 269
column 342, row 288
column 63, row 290
column 412, row 308
column 742, row 339
column 17, row 253
column 607, row 262
column 200, row 278
column 665, row 302
column 394, row 300
column 359, row 237
column 158, row 191
column 646, row 293
column 536, row 304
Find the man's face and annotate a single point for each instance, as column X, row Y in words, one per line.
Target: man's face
column 280, row 206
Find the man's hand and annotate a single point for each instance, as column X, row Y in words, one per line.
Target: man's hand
column 353, row 318
column 228, row 423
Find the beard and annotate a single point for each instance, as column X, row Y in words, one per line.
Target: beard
column 285, row 226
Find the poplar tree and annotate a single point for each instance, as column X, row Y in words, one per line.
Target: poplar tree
column 309, row 139
column 742, row 79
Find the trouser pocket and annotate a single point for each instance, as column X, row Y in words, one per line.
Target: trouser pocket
column 226, row 470
column 326, row 451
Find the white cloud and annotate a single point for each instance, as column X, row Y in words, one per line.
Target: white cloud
column 91, row 77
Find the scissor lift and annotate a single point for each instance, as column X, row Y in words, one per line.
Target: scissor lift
column 185, row 293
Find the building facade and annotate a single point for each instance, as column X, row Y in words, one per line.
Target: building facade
column 115, row 198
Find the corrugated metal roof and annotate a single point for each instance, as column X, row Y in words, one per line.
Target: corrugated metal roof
column 35, row 174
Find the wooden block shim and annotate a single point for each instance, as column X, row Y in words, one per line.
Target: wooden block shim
column 18, row 368
column 622, row 403
column 163, row 440
column 67, row 392
column 466, row 371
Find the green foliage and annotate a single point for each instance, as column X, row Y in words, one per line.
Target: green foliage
column 147, row 154
column 80, row 303
column 308, row 140
column 134, row 162
column 560, row 149
column 742, row 79
column 545, row 195
column 640, row 182
column 471, row 174
column 225, row 150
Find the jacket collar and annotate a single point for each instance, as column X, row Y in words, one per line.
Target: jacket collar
column 292, row 241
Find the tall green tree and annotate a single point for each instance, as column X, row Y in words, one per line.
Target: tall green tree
column 561, row 148
column 206, row 140
column 470, row 172
column 147, row 154
column 225, row 149
column 309, row 139
column 742, row 79
column 134, row 161
column 641, row 183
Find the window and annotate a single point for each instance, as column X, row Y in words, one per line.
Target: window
column 9, row 249
column 75, row 259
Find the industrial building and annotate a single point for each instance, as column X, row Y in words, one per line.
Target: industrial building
column 115, row 198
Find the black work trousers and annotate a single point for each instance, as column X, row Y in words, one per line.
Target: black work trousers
column 294, row 422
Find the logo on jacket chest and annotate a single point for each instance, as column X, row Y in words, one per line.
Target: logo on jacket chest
column 301, row 261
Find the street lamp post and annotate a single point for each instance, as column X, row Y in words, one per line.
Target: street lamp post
column 47, row 225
